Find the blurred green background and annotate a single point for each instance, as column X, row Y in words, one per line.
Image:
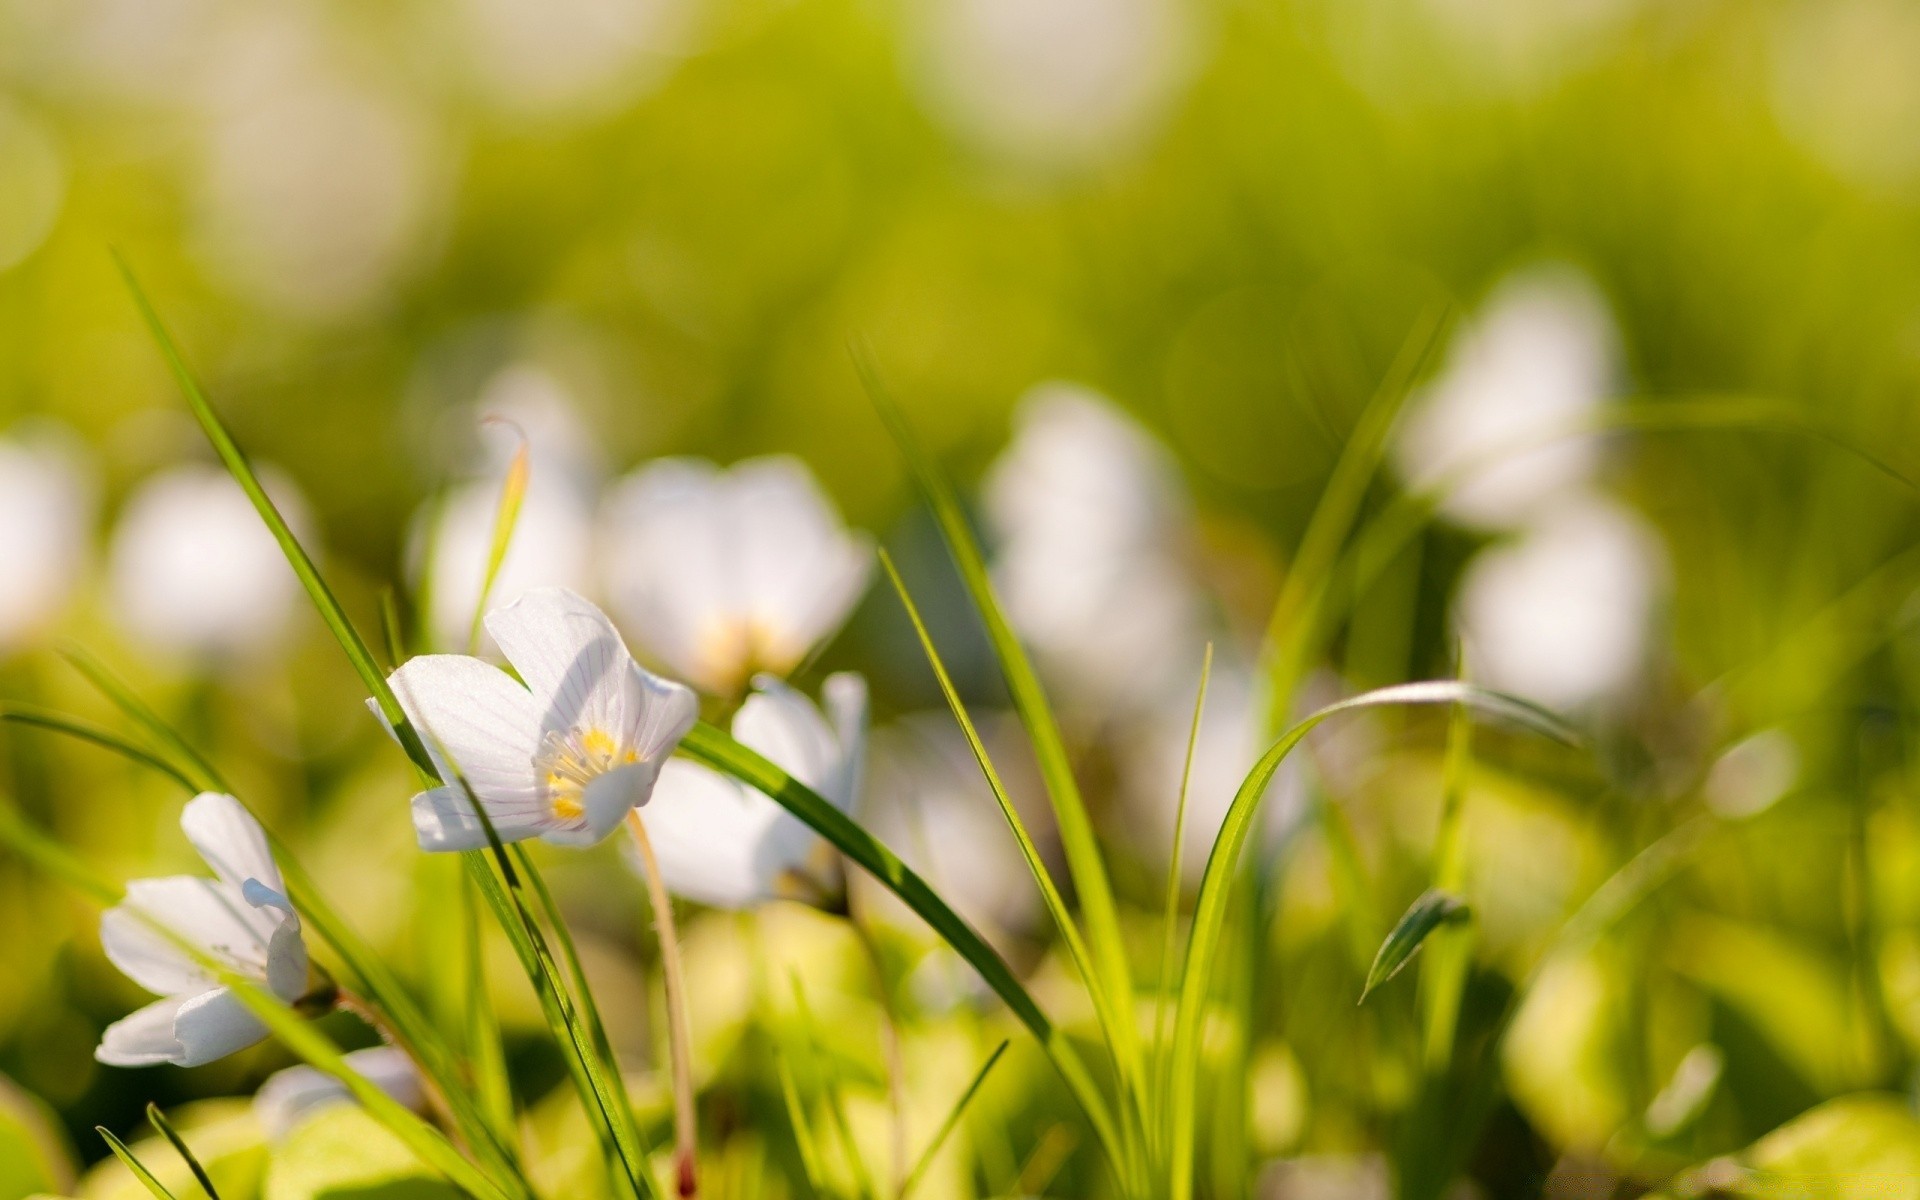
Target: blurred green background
column 1231, row 218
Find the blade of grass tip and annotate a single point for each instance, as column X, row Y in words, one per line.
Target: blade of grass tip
column 165, row 1127
column 1443, row 980
column 954, row 1114
column 1048, row 1156
column 236, row 463
column 1423, row 917
column 1085, row 864
column 86, row 731
column 803, row 1138
column 1170, row 920
column 1215, row 885
column 205, row 775
column 836, row 1103
column 133, row 1164
column 390, row 635
column 506, row 517
column 715, row 748
column 1055, row 903
column 1289, row 638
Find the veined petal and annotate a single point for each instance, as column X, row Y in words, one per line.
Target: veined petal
column 607, row 800
column 148, row 957
column 658, row 712
column 786, row 728
column 475, row 715
column 213, row 1025
column 204, row 912
column 144, row 1038
column 443, row 819
column 570, row 655
column 707, row 833
column 226, row 835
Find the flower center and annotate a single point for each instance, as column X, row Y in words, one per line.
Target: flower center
column 569, row 761
column 730, row 649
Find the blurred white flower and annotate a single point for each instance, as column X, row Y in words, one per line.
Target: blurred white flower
column 552, row 542
column 289, row 1097
column 46, row 519
column 193, row 571
column 724, row 573
column 564, row 758
column 1089, row 522
column 570, row 57
column 1054, row 82
column 1540, row 356
column 1562, row 615
column 1753, row 774
column 241, row 918
column 36, row 175
column 722, row 843
column 932, row 806
column 318, row 188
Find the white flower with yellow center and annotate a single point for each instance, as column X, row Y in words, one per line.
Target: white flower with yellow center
column 240, row 918
column 563, row 758
column 722, row 843
column 729, row 572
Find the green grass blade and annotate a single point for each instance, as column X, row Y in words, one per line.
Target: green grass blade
column 715, row 748
column 86, row 731
column 803, row 1138
column 1432, row 910
column 1443, row 980
column 836, row 1103
column 484, row 1049
column 205, row 776
column 50, row 857
column 1210, row 911
column 1170, row 920
column 1085, row 864
column 947, row 1126
column 1050, row 893
column 303, row 566
column 165, row 1127
column 133, row 1164
column 506, row 517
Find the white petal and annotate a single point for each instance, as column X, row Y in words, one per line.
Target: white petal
column 390, row 1070
column 658, row 713
column 800, row 571
column 786, row 728
column 570, row 655
column 709, row 834
column 476, row 715
column 144, row 1038
column 230, row 840
column 670, row 565
column 209, row 914
column 289, row 1097
column 443, row 819
column 845, row 696
column 213, row 1025
column 148, row 957
column 607, row 801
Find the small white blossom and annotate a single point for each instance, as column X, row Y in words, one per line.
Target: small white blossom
column 725, row 573
column 563, row 758
column 725, row 844
column 46, row 517
column 289, row 1097
column 241, row 918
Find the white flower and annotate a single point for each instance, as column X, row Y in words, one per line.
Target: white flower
column 193, row 570
column 1090, row 523
column 46, row 514
column 725, row 573
column 563, row 758
column 1540, row 357
column 241, row 918
column 722, row 843
column 1561, row 615
column 289, row 1097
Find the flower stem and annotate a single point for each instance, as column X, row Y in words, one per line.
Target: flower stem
column 680, row 1042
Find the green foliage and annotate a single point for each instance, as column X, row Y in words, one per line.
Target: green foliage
column 342, row 1153
column 1430, row 912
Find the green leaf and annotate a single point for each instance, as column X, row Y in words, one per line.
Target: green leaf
column 1428, row 913
column 34, row 1156
column 133, row 1164
column 159, row 1121
column 1858, row 1147
column 1210, row 911
column 946, row 1127
column 713, row 747
column 344, row 1154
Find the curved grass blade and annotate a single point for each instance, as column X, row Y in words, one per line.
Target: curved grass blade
column 205, row 776
column 1055, row 903
column 165, row 1127
column 86, row 731
column 1432, row 910
column 51, row 857
column 946, row 1127
column 236, row 463
column 506, row 518
column 715, row 748
column 1210, row 911
column 803, row 1138
column 133, row 1164
column 1085, row 864
column 1170, row 919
